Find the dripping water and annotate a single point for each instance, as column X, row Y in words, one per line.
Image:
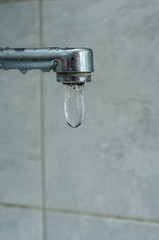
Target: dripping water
column 74, row 104
column 23, row 71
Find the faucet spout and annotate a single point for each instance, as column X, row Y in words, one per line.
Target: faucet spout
column 72, row 65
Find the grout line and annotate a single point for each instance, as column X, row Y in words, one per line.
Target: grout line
column 13, row 205
column 40, row 23
column 84, row 214
column 42, row 153
column 16, row 1
column 19, row 1
column 106, row 216
column 42, row 126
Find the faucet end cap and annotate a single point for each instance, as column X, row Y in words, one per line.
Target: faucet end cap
column 73, row 78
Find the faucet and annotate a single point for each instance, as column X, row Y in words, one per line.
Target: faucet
column 73, row 67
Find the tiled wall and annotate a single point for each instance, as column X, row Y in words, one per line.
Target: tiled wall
column 99, row 181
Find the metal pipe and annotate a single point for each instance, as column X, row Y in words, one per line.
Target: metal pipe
column 72, row 65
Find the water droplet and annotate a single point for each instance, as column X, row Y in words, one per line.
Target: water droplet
column 74, row 104
column 23, row 71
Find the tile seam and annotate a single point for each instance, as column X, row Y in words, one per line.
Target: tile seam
column 83, row 214
column 42, row 126
column 104, row 216
column 19, row 1
column 16, row 1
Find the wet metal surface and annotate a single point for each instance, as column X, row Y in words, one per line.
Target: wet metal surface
column 61, row 60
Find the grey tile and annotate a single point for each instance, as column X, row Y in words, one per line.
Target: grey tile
column 73, row 227
column 20, row 224
column 110, row 164
column 19, row 24
column 20, row 173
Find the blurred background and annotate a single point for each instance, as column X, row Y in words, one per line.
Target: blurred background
column 101, row 180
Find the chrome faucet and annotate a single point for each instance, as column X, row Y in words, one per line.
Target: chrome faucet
column 72, row 65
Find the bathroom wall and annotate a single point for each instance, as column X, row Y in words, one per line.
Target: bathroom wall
column 99, row 181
